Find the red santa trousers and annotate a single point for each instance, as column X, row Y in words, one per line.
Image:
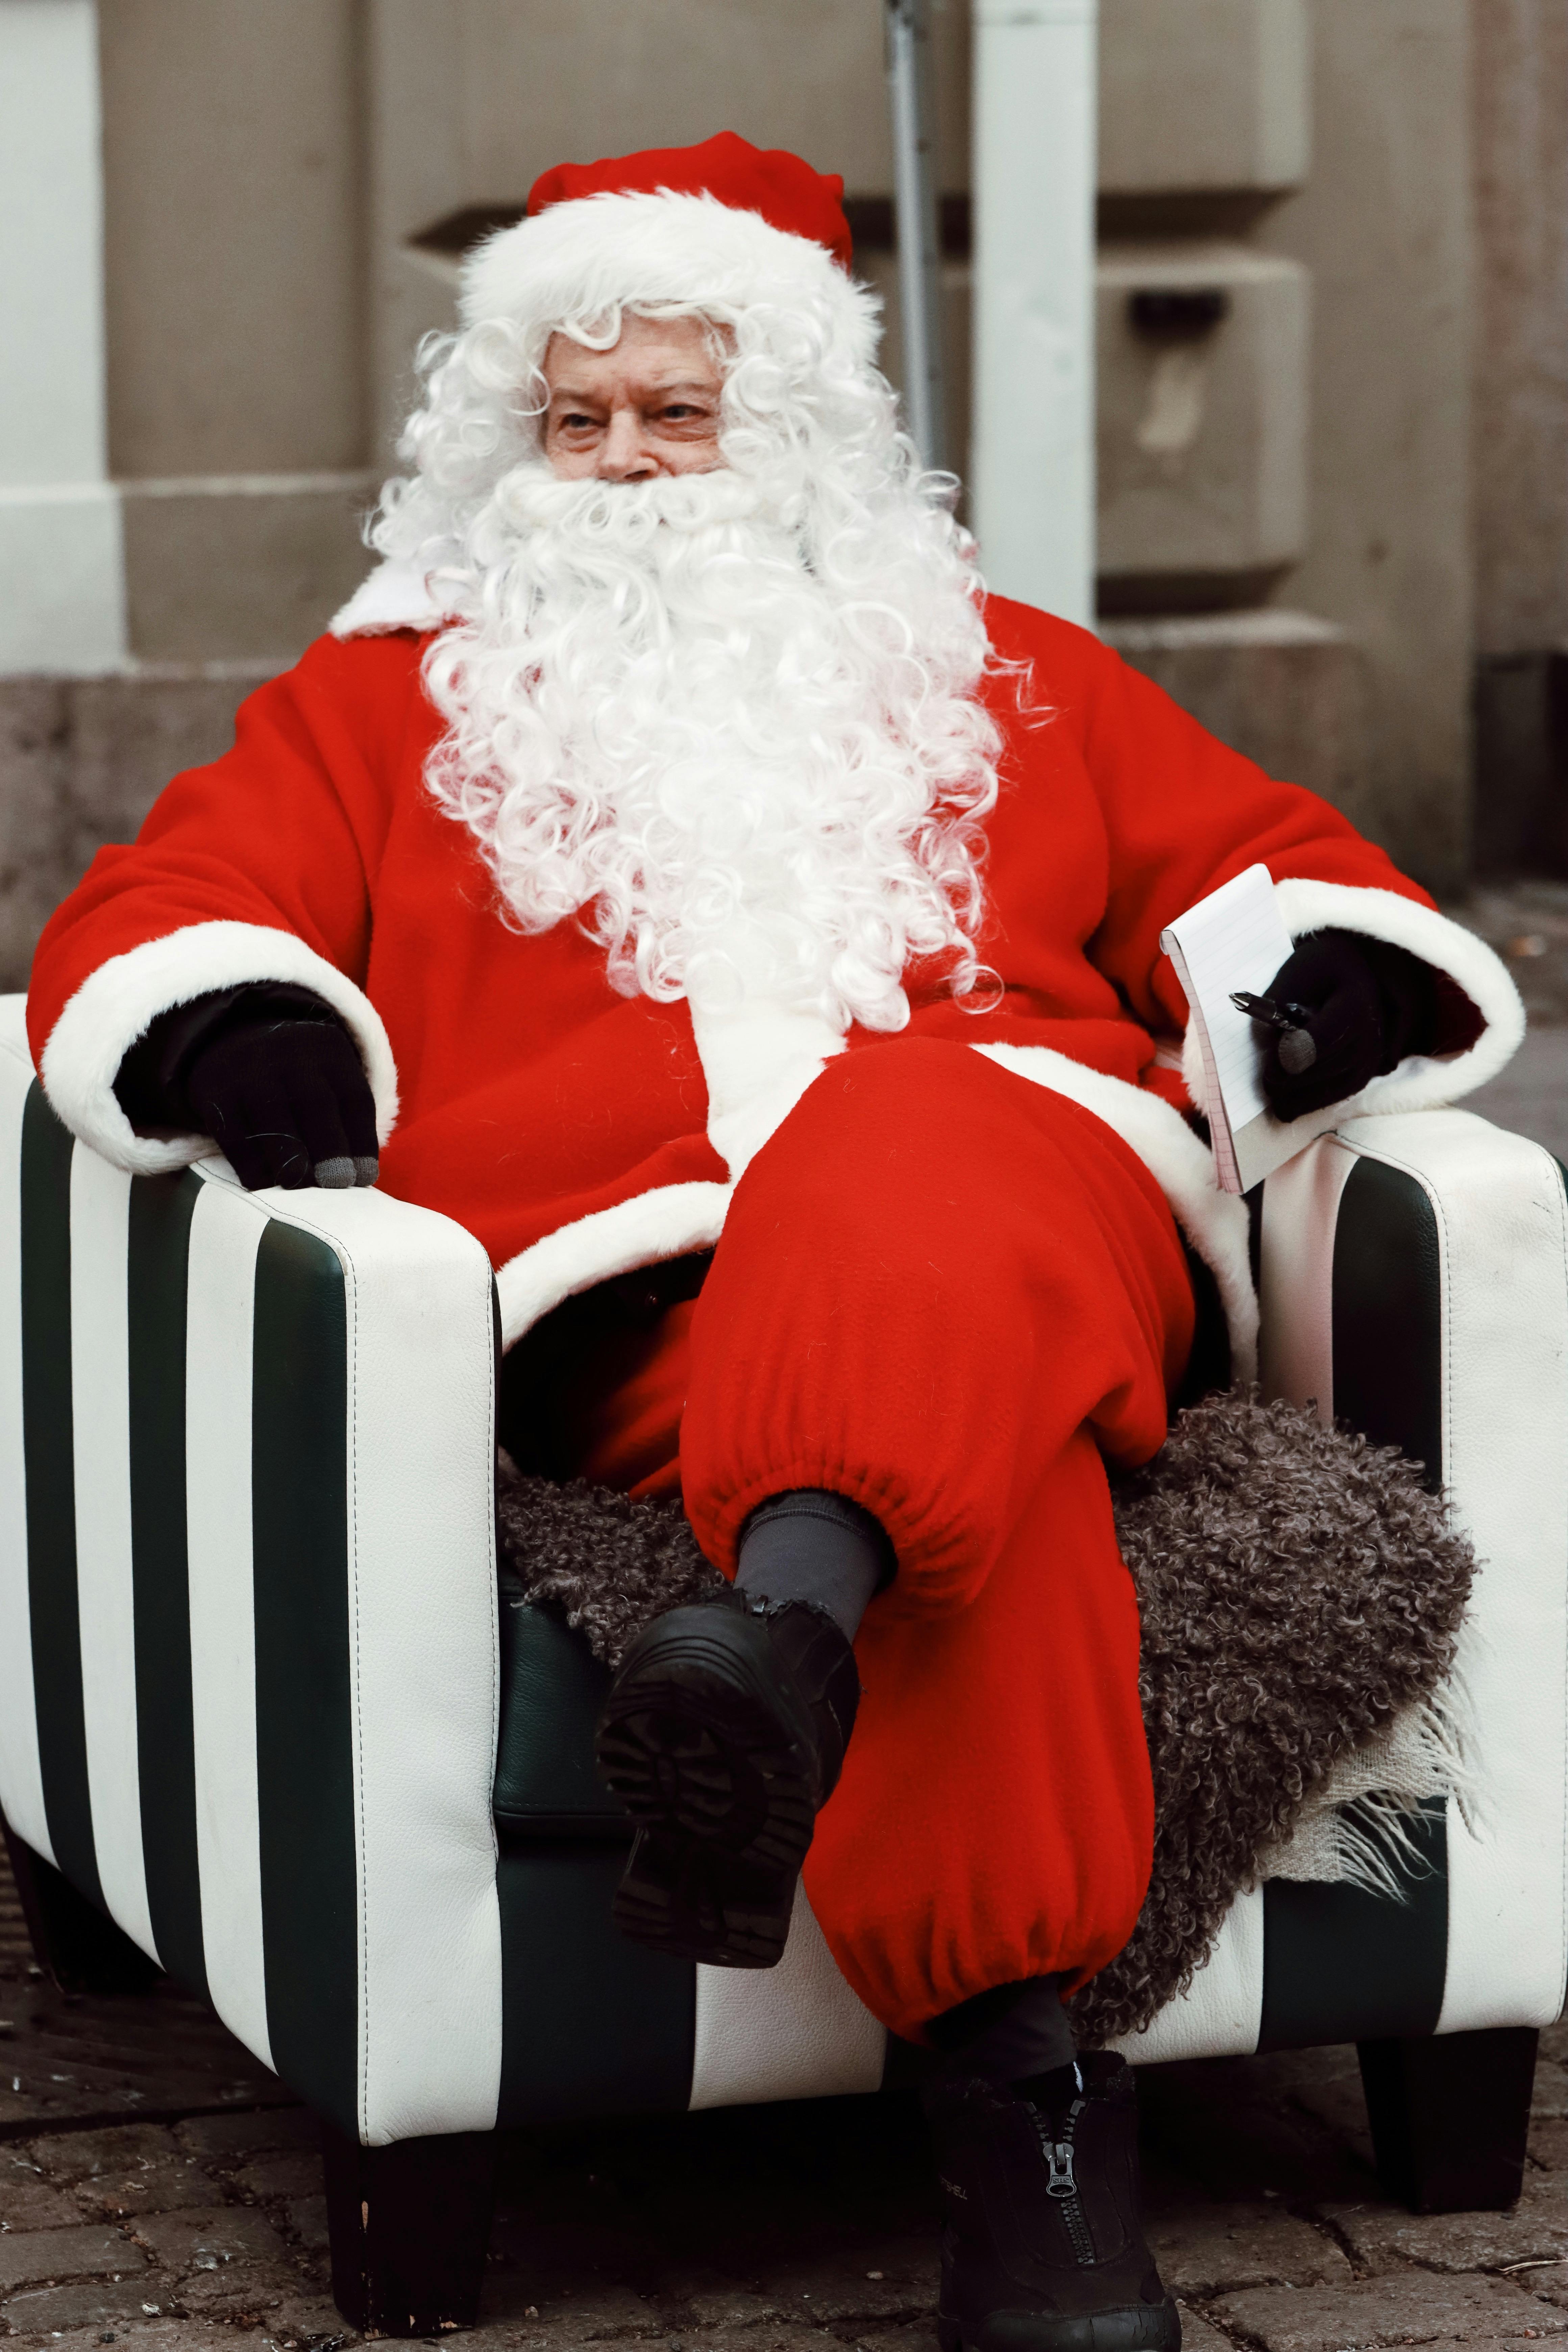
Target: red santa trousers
column 952, row 1295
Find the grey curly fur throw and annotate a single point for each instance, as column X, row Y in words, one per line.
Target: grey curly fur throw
column 1297, row 1588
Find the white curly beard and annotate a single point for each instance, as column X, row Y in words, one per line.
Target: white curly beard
column 761, row 770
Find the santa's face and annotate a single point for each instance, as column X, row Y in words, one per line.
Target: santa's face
column 725, row 721
column 649, row 405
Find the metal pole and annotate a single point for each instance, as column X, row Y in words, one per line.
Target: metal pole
column 920, row 256
column 1032, row 473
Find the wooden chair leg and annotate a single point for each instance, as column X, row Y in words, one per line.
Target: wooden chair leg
column 410, row 2227
column 1450, row 2114
column 72, row 1940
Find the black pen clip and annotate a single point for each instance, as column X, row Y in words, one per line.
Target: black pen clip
column 1290, row 1021
column 1273, row 1015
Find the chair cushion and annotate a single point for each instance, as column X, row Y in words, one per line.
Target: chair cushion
column 1273, row 1557
column 552, row 1689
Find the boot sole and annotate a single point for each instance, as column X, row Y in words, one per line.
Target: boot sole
column 1144, row 2327
column 723, row 1799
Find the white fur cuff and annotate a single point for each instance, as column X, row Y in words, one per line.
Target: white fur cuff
column 118, row 1003
column 1422, row 1081
column 671, row 1220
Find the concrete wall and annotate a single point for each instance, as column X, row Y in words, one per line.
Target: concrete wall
column 61, row 571
column 271, row 176
column 1385, row 225
column 235, row 313
column 1521, row 433
column 1520, row 114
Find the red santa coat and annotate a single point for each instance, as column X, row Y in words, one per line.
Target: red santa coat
column 580, row 1133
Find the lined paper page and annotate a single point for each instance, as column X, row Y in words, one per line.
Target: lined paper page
column 1236, row 937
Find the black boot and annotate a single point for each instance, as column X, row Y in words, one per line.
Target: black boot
column 1044, row 2249
column 723, row 1735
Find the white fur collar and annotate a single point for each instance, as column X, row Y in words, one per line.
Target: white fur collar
column 393, row 596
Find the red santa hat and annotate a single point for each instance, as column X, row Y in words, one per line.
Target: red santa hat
column 724, row 225
column 770, row 181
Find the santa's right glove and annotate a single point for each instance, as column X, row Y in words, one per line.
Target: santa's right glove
column 1366, row 1005
column 272, row 1074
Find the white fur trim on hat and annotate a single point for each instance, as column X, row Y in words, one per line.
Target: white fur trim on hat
column 116, row 1004
column 1214, row 1222
column 1421, row 1081
column 580, row 257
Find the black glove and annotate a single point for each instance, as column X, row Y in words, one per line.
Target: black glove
column 1368, row 1005
column 272, row 1074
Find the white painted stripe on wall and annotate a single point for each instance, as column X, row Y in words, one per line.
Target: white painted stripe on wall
column 63, row 572
column 21, row 1776
column 1031, row 467
column 796, row 2032
column 106, row 1608
column 225, row 1234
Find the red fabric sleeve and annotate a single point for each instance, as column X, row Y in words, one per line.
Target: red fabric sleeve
column 283, row 832
column 1183, row 812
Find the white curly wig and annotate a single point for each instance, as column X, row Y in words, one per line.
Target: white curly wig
column 712, row 705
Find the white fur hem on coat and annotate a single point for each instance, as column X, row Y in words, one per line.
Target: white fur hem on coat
column 675, row 1219
column 1422, row 1081
column 671, row 1220
column 1214, row 1222
column 116, row 1004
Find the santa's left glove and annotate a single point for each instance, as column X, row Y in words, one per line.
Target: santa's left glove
column 1366, row 1005
column 272, row 1074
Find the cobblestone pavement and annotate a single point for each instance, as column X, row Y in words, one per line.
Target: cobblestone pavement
column 158, row 2191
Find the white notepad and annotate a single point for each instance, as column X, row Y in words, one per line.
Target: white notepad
column 1236, row 937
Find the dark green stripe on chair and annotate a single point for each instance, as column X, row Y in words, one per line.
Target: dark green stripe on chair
column 49, row 1454
column 1340, row 1964
column 591, row 2023
column 303, row 1695
column 1344, row 1965
column 1388, row 1301
column 158, row 1262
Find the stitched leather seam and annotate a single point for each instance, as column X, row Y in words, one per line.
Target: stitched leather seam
column 1391, row 1160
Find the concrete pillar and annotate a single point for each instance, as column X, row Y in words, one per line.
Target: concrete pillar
column 1032, row 467
column 62, row 595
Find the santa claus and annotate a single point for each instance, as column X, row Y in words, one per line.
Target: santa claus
column 673, row 866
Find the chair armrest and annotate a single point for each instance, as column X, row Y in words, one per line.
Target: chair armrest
column 247, row 1605
column 1414, row 1282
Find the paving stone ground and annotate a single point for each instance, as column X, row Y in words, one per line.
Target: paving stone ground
column 158, row 2192
column 171, row 2202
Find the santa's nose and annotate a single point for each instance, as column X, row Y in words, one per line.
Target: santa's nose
column 624, row 455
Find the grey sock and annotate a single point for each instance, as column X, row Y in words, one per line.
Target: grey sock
column 813, row 1546
column 1009, row 2034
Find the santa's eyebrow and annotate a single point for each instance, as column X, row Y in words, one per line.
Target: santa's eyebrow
column 571, row 393
column 683, row 383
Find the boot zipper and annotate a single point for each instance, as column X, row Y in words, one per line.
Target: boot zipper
column 1062, row 2181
